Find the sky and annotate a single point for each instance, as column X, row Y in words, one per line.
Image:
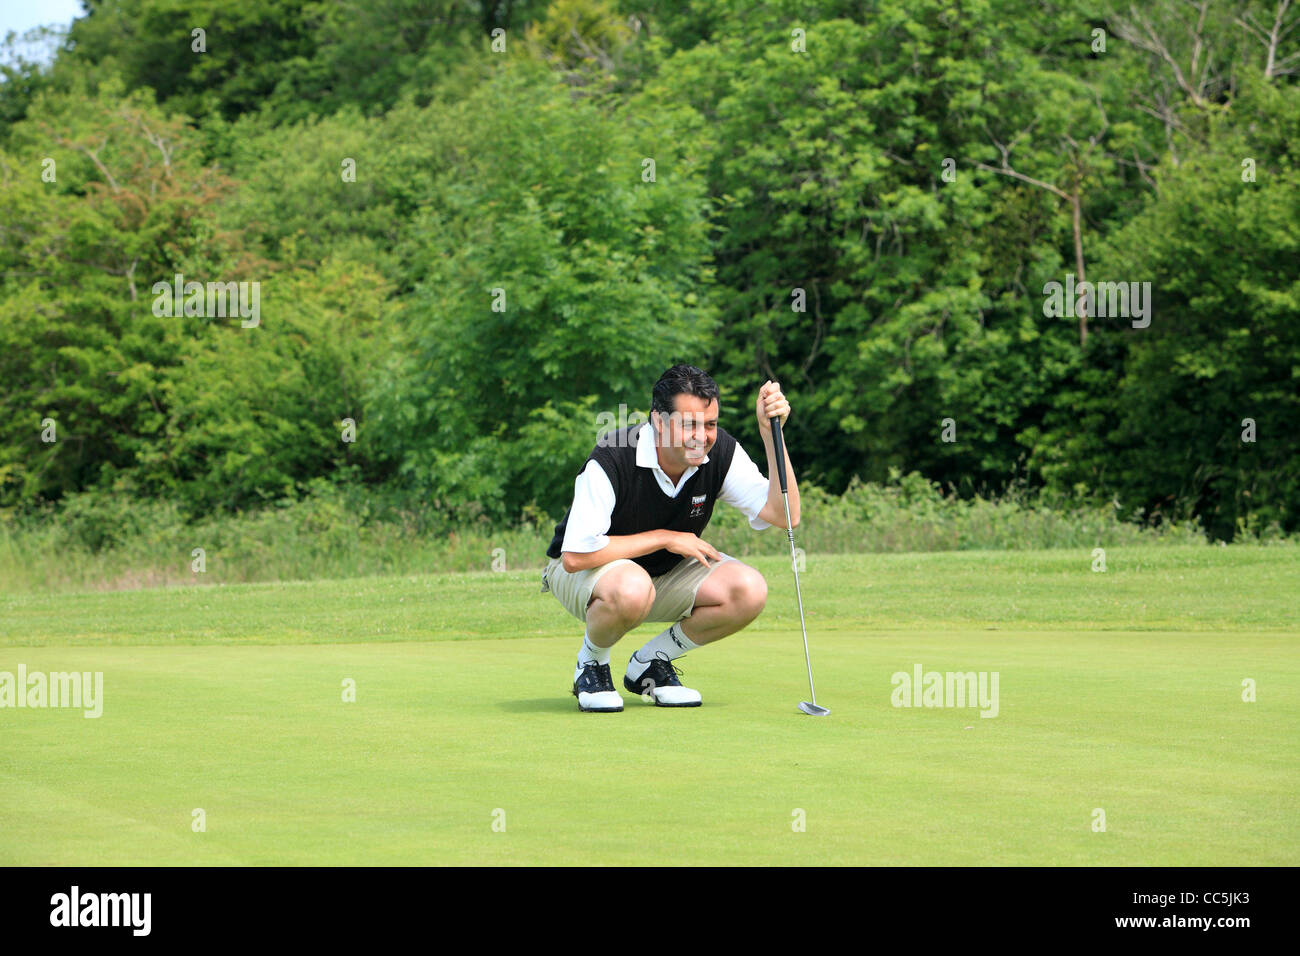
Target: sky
column 20, row 15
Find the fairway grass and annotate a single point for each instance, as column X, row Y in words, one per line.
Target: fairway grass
column 1118, row 692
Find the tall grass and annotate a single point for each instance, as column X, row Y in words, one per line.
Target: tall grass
column 101, row 541
column 909, row 513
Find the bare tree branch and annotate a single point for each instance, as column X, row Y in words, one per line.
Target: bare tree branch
column 1272, row 38
column 94, row 158
column 1006, row 171
column 1142, row 33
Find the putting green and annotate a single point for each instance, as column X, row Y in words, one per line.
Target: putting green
column 472, row 751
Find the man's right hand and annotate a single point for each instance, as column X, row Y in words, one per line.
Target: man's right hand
column 690, row 545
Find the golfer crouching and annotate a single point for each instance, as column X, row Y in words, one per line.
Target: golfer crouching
column 629, row 549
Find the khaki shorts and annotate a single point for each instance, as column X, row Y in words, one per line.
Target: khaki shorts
column 675, row 589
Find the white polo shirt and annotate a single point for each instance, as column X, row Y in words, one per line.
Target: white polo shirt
column 744, row 488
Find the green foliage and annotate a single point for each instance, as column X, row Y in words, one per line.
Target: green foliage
column 183, row 405
column 829, row 166
column 584, row 38
column 601, row 276
column 1223, row 259
column 289, row 59
column 129, row 205
column 230, row 68
column 256, row 412
column 341, row 186
column 912, row 166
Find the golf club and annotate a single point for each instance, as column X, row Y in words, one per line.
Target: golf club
column 812, row 709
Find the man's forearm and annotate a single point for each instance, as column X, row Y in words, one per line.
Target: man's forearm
column 619, row 546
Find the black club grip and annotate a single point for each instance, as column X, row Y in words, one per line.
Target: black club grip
column 780, row 450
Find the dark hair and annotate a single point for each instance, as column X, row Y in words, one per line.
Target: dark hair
column 679, row 380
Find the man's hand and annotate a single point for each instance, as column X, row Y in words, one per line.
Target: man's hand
column 770, row 403
column 690, row 545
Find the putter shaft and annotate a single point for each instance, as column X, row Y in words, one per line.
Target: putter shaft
column 794, row 565
column 779, row 448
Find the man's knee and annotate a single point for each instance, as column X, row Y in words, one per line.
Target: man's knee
column 748, row 590
column 627, row 591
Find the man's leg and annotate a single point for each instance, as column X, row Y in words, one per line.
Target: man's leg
column 619, row 602
column 729, row 599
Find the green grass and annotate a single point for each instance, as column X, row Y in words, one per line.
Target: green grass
column 1119, row 691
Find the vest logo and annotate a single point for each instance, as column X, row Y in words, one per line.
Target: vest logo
column 697, row 505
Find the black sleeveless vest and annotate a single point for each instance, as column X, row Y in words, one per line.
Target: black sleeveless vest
column 641, row 505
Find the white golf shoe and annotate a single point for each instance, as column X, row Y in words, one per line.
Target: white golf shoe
column 658, row 682
column 594, row 688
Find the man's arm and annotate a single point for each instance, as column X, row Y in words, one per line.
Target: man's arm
column 586, row 545
column 771, row 403
column 758, row 497
column 589, row 517
column 685, row 543
column 746, row 489
column 620, row 546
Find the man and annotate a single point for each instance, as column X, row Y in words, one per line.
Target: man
column 629, row 550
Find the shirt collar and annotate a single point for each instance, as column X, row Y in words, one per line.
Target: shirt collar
column 647, row 455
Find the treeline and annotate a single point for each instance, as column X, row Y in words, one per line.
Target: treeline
column 474, row 228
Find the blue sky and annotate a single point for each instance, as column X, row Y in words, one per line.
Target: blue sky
column 20, row 15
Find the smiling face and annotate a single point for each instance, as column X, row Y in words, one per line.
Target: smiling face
column 687, row 435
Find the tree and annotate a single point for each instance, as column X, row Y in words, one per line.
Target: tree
column 102, row 197
column 561, row 279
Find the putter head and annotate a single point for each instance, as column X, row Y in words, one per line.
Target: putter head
column 812, row 710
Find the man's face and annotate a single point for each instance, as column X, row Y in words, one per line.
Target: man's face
column 687, row 435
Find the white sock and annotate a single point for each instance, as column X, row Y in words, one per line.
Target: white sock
column 672, row 643
column 590, row 653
